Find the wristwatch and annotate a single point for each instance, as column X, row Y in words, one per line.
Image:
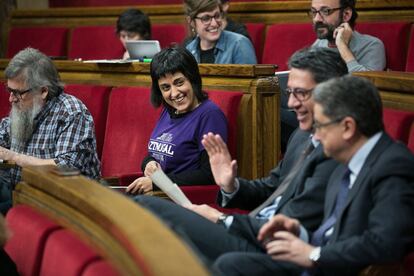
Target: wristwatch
column 315, row 254
column 221, row 219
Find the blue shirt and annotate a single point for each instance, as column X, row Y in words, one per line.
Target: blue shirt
column 231, row 48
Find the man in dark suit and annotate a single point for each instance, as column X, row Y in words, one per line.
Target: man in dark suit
column 295, row 188
column 369, row 200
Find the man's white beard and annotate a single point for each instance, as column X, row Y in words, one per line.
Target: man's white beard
column 22, row 123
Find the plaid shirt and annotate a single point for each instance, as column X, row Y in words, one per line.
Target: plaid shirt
column 64, row 131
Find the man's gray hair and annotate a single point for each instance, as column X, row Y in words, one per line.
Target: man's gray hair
column 36, row 70
column 351, row 96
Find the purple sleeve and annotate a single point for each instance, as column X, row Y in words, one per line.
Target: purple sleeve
column 213, row 121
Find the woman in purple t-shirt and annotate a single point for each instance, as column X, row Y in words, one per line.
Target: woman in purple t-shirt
column 175, row 143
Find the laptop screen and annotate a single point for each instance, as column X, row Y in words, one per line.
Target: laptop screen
column 140, row 49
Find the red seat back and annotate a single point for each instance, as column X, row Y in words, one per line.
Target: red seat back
column 52, row 41
column 411, row 147
column 96, row 99
column 282, row 40
column 256, row 33
column 103, row 3
column 66, row 255
column 394, row 35
column 168, row 34
column 99, row 268
column 410, row 55
column 30, row 230
column 4, row 101
column 397, row 123
column 131, row 119
column 228, row 102
column 95, row 42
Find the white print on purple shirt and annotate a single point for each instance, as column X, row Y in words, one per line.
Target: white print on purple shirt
column 161, row 145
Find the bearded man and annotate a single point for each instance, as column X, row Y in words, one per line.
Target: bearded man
column 334, row 22
column 46, row 126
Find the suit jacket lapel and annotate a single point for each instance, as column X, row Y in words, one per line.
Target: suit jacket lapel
column 366, row 168
column 382, row 144
column 298, row 181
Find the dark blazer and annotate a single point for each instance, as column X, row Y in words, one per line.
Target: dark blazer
column 377, row 223
column 304, row 197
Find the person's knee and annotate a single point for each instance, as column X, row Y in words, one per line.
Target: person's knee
column 228, row 264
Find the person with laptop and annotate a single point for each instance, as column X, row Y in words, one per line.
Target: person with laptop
column 133, row 24
column 175, row 143
column 212, row 44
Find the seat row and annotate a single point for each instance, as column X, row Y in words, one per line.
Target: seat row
column 40, row 246
column 122, row 133
column 73, row 226
column 106, row 3
column 273, row 44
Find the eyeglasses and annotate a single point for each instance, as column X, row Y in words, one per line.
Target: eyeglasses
column 317, row 125
column 323, row 12
column 18, row 93
column 206, row 19
column 299, row 93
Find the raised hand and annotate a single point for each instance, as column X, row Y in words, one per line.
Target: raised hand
column 224, row 169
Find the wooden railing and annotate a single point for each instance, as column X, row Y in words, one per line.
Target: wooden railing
column 397, row 88
column 119, row 230
column 263, row 12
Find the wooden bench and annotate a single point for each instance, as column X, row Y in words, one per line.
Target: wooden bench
column 102, row 224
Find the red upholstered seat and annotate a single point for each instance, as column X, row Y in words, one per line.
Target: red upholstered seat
column 410, row 55
column 256, row 32
column 95, row 42
column 99, row 268
column 131, row 119
column 398, row 123
column 103, row 3
column 30, row 230
column 409, row 264
column 282, row 40
column 52, row 41
column 96, row 99
column 4, row 101
column 229, row 103
column 168, row 34
column 66, row 255
column 394, row 35
column 411, row 143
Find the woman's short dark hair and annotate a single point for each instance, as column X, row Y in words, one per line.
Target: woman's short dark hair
column 133, row 20
column 170, row 61
column 350, row 4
